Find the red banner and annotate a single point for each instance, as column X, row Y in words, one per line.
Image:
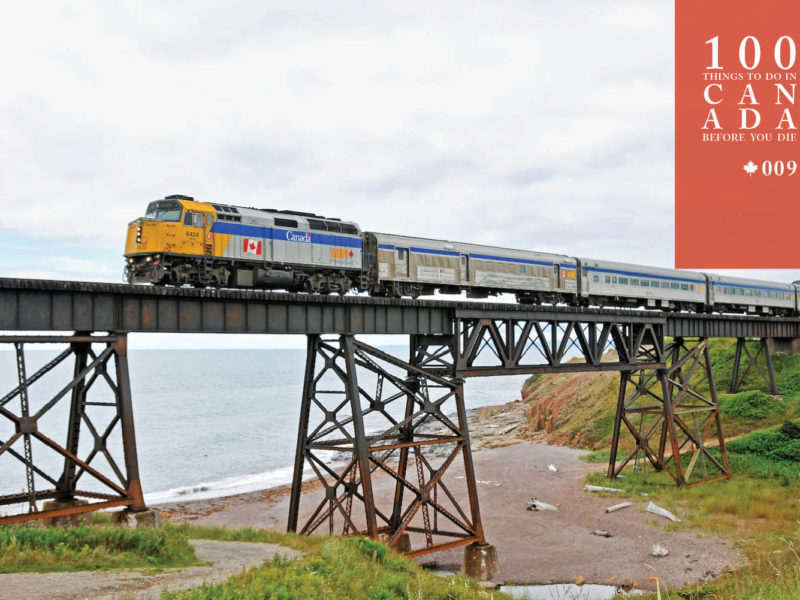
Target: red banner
column 737, row 168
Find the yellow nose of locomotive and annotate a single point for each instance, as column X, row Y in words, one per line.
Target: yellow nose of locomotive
column 143, row 237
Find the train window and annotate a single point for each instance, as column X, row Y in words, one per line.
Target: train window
column 685, row 287
column 187, row 219
column 521, row 267
column 401, row 253
column 164, row 210
column 634, row 282
column 653, row 284
column 691, row 286
column 332, row 226
column 674, row 286
column 348, row 228
column 613, row 280
column 317, row 225
column 748, row 292
column 740, row 291
column 665, row 284
column 645, row 283
column 596, row 278
column 608, row 278
column 623, row 281
column 286, row 222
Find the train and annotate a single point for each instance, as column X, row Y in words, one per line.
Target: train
column 181, row 241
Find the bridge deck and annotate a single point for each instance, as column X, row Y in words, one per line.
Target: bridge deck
column 49, row 305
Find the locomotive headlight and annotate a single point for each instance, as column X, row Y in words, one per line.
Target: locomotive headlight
column 130, row 261
column 148, row 259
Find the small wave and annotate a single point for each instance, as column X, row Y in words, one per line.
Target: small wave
column 229, row 486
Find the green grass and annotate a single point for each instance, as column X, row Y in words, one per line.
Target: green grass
column 341, row 568
column 29, row 548
column 758, row 508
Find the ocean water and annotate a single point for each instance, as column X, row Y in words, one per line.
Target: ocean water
column 208, row 422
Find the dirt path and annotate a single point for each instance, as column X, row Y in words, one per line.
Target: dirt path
column 226, row 558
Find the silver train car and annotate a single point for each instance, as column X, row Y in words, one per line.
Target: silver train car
column 736, row 294
column 621, row 284
column 411, row 266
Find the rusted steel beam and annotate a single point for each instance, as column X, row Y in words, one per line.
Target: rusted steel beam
column 67, row 510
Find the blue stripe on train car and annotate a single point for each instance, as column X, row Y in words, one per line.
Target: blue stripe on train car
column 478, row 256
column 754, row 287
column 643, row 275
column 419, row 250
column 287, row 235
column 432, row 251
column 525, row 261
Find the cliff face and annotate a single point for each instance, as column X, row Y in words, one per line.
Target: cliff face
column 572, row 409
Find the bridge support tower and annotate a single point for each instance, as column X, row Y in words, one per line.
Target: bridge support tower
column 89, row 464
column 752, row 351
column 386, row 440
column 672, row 414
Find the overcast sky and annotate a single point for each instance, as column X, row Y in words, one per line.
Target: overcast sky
column 544, row 125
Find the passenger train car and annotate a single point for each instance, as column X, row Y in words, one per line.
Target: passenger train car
column 180, row 241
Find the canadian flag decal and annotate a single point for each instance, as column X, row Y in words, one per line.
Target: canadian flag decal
column 252, row 246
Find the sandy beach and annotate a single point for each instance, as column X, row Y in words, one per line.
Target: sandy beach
column 532, row 546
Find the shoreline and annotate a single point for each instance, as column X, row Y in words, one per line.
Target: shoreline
column 489, row 426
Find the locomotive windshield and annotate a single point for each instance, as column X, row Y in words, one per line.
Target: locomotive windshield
column 164, row 210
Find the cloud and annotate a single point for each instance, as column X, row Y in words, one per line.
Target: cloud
column 545, row 125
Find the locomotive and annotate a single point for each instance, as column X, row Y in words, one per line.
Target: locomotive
column 180, row 241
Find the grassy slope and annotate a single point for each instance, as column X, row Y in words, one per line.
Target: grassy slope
column 758, row 508
column 330, row 568
column 333, row 568
column 578, row 410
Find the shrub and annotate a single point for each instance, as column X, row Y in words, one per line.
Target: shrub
column 749, row 405
column 779, row 443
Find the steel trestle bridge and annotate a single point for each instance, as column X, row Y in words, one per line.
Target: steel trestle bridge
column 667, row 397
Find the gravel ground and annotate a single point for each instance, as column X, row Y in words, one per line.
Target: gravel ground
column 532, row 547
column 226, row 558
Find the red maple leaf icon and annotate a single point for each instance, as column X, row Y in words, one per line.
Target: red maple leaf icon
column 351, row 254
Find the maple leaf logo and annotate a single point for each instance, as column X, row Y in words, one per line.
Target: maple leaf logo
column 750, row 168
